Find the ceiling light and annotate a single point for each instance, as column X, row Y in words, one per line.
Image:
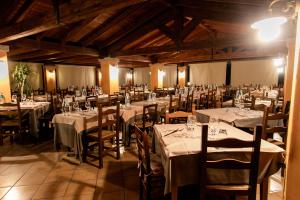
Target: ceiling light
column 269, row 29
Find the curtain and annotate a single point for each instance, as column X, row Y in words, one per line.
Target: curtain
column 142, row 75
column 71, row 75
column 253, row 71
column 170, row 77
column 208, row 73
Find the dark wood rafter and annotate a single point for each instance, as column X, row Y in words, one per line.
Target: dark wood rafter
column 140, row 32
column 25, row 8
column 188, row 46
column 33, row 55
column 52, row 46
column 69, row 14
column 142, row 26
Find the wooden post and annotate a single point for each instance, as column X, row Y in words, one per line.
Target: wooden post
column 4, row 74
column 156, row 75
column 50, row 76
column 182, row 76
column 110, row 75
column 293, row 141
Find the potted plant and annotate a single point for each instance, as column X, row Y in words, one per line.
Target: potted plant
column 20, row 74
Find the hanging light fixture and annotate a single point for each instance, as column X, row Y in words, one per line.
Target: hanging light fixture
column 270, row 28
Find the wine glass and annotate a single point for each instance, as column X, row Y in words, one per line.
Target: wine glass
column 14, row 98
column 88, row 105
column 24, row 97
column 191, row 121
column 213, row 122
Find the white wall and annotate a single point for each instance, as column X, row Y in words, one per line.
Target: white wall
column 208, row 73
column 142, row 75
column 36, row 80
column 80, row 76
column 253, row 71
column 170, row 77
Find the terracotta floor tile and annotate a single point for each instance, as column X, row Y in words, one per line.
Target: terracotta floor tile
column 33, row 178
column 9, row 180
column 52, row 190
column 21, row 193
column 77, row 188
column 110, row 184
column 132, row 194
column 3, row 191
column 117, row 195
column 85, row 174
column 80, row 197
column 59, row 175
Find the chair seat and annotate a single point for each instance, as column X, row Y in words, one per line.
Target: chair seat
column 139, row 124
column 276, row 142
column 105, row 134
column 9, row 123
column 228, row 187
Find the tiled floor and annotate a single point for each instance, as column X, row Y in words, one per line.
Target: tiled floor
column 36, row 172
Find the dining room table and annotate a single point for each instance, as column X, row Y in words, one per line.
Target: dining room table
column 35, row 110
column 179, row 145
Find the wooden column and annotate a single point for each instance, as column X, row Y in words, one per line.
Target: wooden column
column 50, row 78
column 98, row 76
column 288, row 75
column 110, row 75
column 293, row 147
column 156, row 75
column 4, row 74
column 182, row 76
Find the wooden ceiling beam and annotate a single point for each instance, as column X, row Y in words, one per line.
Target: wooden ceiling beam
column 121, row 35
column 32, row 55
column 148, row 27
column 57, row 47
column 21, row 13
column 189, row 28
column 114, row 20
column 189, row 46
column 69, row 14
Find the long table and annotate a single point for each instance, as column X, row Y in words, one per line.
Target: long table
column 180, row 158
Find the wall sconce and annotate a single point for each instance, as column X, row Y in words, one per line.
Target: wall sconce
column 278, row 62
column 270, row 28
column 50, row 73
column 114, row 72
column 181, row 74
column 128, row 76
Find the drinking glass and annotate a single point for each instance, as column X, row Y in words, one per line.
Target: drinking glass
column 191, row 121
column 213, row 122
column 14, row 98
column 24, row 97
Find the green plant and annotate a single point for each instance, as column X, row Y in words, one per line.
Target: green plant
column 20, row 75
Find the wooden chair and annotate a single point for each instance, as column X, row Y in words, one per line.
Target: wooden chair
column 138, row 95
column 93, row 101
column 107, row 130
column 174, row 103
column 268, row 132
column 149, row 119
column 151, row 172
column 13, row 121
column 211, row 99
column 189, row 102
column 252, row 165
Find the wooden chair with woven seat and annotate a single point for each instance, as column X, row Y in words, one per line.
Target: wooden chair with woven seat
column 151, row 172
column 107, row 130
column 269, row 131
column 174, row 103
column 148, row 120
column 251, row 165
column 13, row 121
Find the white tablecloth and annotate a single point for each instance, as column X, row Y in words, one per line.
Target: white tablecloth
column 179, row 157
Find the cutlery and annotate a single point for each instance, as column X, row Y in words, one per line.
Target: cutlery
column 176, row 130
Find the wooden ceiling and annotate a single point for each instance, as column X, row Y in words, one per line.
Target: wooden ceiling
column 138, row 32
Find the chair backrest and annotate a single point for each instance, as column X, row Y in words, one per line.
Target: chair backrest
column 230, row 164
column 138, row 95
column 189, row 101
column 12, row 111
column 174, row 103
column 108, row 117
column 143, row 151
column 149, row 114
column 273, row 118
column 93, row 101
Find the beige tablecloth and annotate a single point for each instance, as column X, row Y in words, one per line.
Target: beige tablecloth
column 179, row 155
column 234, row 116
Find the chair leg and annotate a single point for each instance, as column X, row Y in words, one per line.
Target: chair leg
column 141, row 190
column 118, row 148
column 100, row 152
column 264, row 189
